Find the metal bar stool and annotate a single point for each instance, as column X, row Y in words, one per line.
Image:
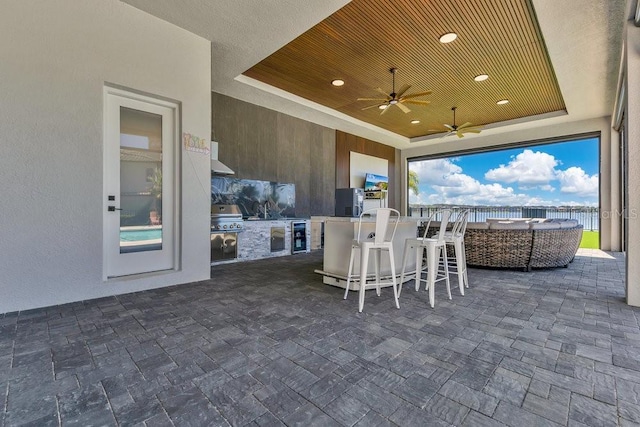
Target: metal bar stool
column 436, row 251
column 455, row 239
column 380, row 240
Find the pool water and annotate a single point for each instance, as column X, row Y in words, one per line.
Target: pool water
column 140, row 235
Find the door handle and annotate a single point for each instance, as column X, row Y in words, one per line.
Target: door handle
column 113, row 209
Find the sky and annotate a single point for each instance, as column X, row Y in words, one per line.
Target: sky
column 559, row 174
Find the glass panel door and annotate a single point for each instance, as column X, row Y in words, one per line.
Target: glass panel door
column 139, row 217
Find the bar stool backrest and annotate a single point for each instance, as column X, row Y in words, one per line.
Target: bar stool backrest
column 460, row 225
column 444, row 215
column 385, row 217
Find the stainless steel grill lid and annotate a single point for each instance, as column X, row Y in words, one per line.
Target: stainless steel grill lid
column 226, row 218
column 225, row 210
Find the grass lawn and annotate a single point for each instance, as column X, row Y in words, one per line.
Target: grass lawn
column 590, row 240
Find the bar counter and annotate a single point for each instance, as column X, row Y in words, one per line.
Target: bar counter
column 339, row 232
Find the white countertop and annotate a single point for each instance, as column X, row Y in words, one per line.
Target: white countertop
column 369, row 219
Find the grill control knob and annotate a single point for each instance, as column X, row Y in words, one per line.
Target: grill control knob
column 224, row 226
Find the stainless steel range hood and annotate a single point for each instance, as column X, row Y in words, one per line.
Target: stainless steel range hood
column 217, row 166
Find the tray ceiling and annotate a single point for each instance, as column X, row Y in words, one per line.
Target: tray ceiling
column 363, row 40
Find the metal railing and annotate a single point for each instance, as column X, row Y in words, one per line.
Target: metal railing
column 589, row 217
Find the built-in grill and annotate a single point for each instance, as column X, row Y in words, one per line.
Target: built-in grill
column 226, row 222
column 226, row 218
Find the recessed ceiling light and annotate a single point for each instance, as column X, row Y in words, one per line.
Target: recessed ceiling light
column 337, row 82
column 502, row 102
column 383, row 106
column 448, row 38
column 481, row 77
column 415, row 122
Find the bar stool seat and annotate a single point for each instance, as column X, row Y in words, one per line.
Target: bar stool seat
column 381, row 240
column 436, row 251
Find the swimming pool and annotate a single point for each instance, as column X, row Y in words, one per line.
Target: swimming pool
column 140, row 238
column 138, row 235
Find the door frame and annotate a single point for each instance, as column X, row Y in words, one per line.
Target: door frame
column 176, row 151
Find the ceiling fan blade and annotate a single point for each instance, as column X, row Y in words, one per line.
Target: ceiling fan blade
column 464, row 125
column 447, row 134
column 402, row 90
column 416, row 95
column 383, row 92
column 416, row 102
column 373, row 99
column 460, row 134
column 451, row 129
column 386, row 109
column 371, row 106
column 404, row 108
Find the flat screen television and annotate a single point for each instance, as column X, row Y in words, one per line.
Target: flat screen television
column 375, row 185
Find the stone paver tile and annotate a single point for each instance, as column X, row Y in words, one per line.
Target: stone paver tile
column 373, row 419
column 447, row 410
column 595, row 353
column 393, row 346
column 547, row 408
column 280, row 401
column 469, row 397
column 517, row 417
column 347, row 410
column 508, row 386
column 267, row 420
column 409, row 415
column 476, row 419
column 629, row 412
column 618, row 372
column 310, row 415
column 591, row 412
column 416, row 390
column 569, row 383
column 379, row 399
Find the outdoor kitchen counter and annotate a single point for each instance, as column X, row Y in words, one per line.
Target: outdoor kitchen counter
column 339, row 232
column 265, row 238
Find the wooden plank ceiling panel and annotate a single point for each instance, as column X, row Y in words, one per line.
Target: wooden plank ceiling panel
column 361, row 42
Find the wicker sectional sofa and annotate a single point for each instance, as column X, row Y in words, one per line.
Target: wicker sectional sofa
column 521, row 243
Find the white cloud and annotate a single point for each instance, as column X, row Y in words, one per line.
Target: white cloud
column 574, row 180
column 528, row 168
column 446, row 184
column 442, row 181
column 435, row 171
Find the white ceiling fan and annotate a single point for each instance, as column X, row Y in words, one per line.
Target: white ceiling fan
column 396, row 98
column 462, row 129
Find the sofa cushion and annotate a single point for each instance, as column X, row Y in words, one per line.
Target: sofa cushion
column 477, row 226
column 509, row 225
column 570, row 223
column 492, row 220
column 545, row 225
column 537, row 220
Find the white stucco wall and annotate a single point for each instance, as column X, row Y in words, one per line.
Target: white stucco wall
column 602, row 125
column 56, row 57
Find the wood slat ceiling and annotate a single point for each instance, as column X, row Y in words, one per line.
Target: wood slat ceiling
column 363, row 40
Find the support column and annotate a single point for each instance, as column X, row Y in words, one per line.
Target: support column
column 615, row 243
column 632, row 114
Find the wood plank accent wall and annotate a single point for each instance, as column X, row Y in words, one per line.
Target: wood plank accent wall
column 258, row 143
column 345, row 143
